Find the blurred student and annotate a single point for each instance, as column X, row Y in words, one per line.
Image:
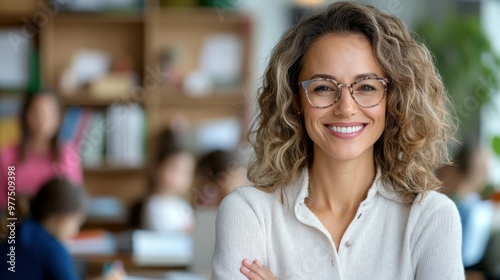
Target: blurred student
column 463, row 183
column 57, row 212
column 218, row 174
column 39, row 157
column 166, row 209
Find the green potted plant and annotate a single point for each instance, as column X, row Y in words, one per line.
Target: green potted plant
column 467, row 63
column 470, row 69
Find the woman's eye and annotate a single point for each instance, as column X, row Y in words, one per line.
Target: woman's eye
column 323, row 88
column 367, row 88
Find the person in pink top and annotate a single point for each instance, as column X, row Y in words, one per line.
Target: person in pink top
column 39, row 156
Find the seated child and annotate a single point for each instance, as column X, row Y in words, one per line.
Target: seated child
column 218, row 173
column 166, row 209
column 463, row 183
column 35, row 249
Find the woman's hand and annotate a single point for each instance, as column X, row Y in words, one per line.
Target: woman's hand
column 256, row 271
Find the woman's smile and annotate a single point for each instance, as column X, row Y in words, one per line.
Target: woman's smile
column 345, row 130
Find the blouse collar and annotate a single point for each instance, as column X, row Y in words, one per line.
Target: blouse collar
column 301, row 190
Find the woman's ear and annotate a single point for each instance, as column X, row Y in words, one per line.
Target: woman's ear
column 297, row 110
column 297, row 107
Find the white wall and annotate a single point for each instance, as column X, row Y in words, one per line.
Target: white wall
column 490, row 114
column 407, row 10
column 490, row 17
column 270, row 21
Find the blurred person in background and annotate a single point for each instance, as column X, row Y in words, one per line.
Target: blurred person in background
column 463, row 183
column 352, row 122
column 218, row 173
column 39, row 156
column 166, row 209
column 57, row 212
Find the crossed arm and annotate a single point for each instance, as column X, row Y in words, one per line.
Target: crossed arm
column 240, row 238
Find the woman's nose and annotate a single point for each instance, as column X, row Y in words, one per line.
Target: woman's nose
column 346, row 105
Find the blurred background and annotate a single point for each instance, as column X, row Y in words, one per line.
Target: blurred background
column 148, row 104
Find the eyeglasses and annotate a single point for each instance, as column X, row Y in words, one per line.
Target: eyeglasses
column 323, row 93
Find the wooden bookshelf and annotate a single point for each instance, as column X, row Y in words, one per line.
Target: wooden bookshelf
column 106, row 169
column 60, row 40
column 11, row 19
column 85, row 99
column 233, row 99
column 100, row 18
column 143, row 36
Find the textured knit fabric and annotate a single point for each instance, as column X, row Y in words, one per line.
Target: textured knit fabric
column 386, row 240
column 38, row 256
column 36, row 169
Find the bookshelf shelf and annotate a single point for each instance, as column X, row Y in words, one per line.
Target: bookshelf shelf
column 83, row 98
column 99, row 18
column 198, row 16
column 210, row 100
column 12, row 19
column 113, row 169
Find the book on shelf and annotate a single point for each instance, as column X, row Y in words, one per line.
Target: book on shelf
column 70, row 125
column 11, row 132
column 115, row 137
column 125, row 135
column 15, row 54
column 93, row 142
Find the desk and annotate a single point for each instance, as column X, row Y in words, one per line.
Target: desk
column 110, row 225
column 95, row 263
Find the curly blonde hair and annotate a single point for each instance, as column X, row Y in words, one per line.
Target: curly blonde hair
column 418, row 124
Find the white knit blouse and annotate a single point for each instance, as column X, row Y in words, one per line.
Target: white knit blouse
column 385, row 240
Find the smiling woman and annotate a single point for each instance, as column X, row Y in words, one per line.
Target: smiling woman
column 352, row 123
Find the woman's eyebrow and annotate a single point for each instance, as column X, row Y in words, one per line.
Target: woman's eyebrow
column 357, row 77
column 324, row 76
column 366, row 75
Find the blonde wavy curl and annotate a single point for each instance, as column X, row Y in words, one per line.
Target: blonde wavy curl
column 418, row 120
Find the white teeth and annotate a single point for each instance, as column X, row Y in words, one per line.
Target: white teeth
column 343, row 129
